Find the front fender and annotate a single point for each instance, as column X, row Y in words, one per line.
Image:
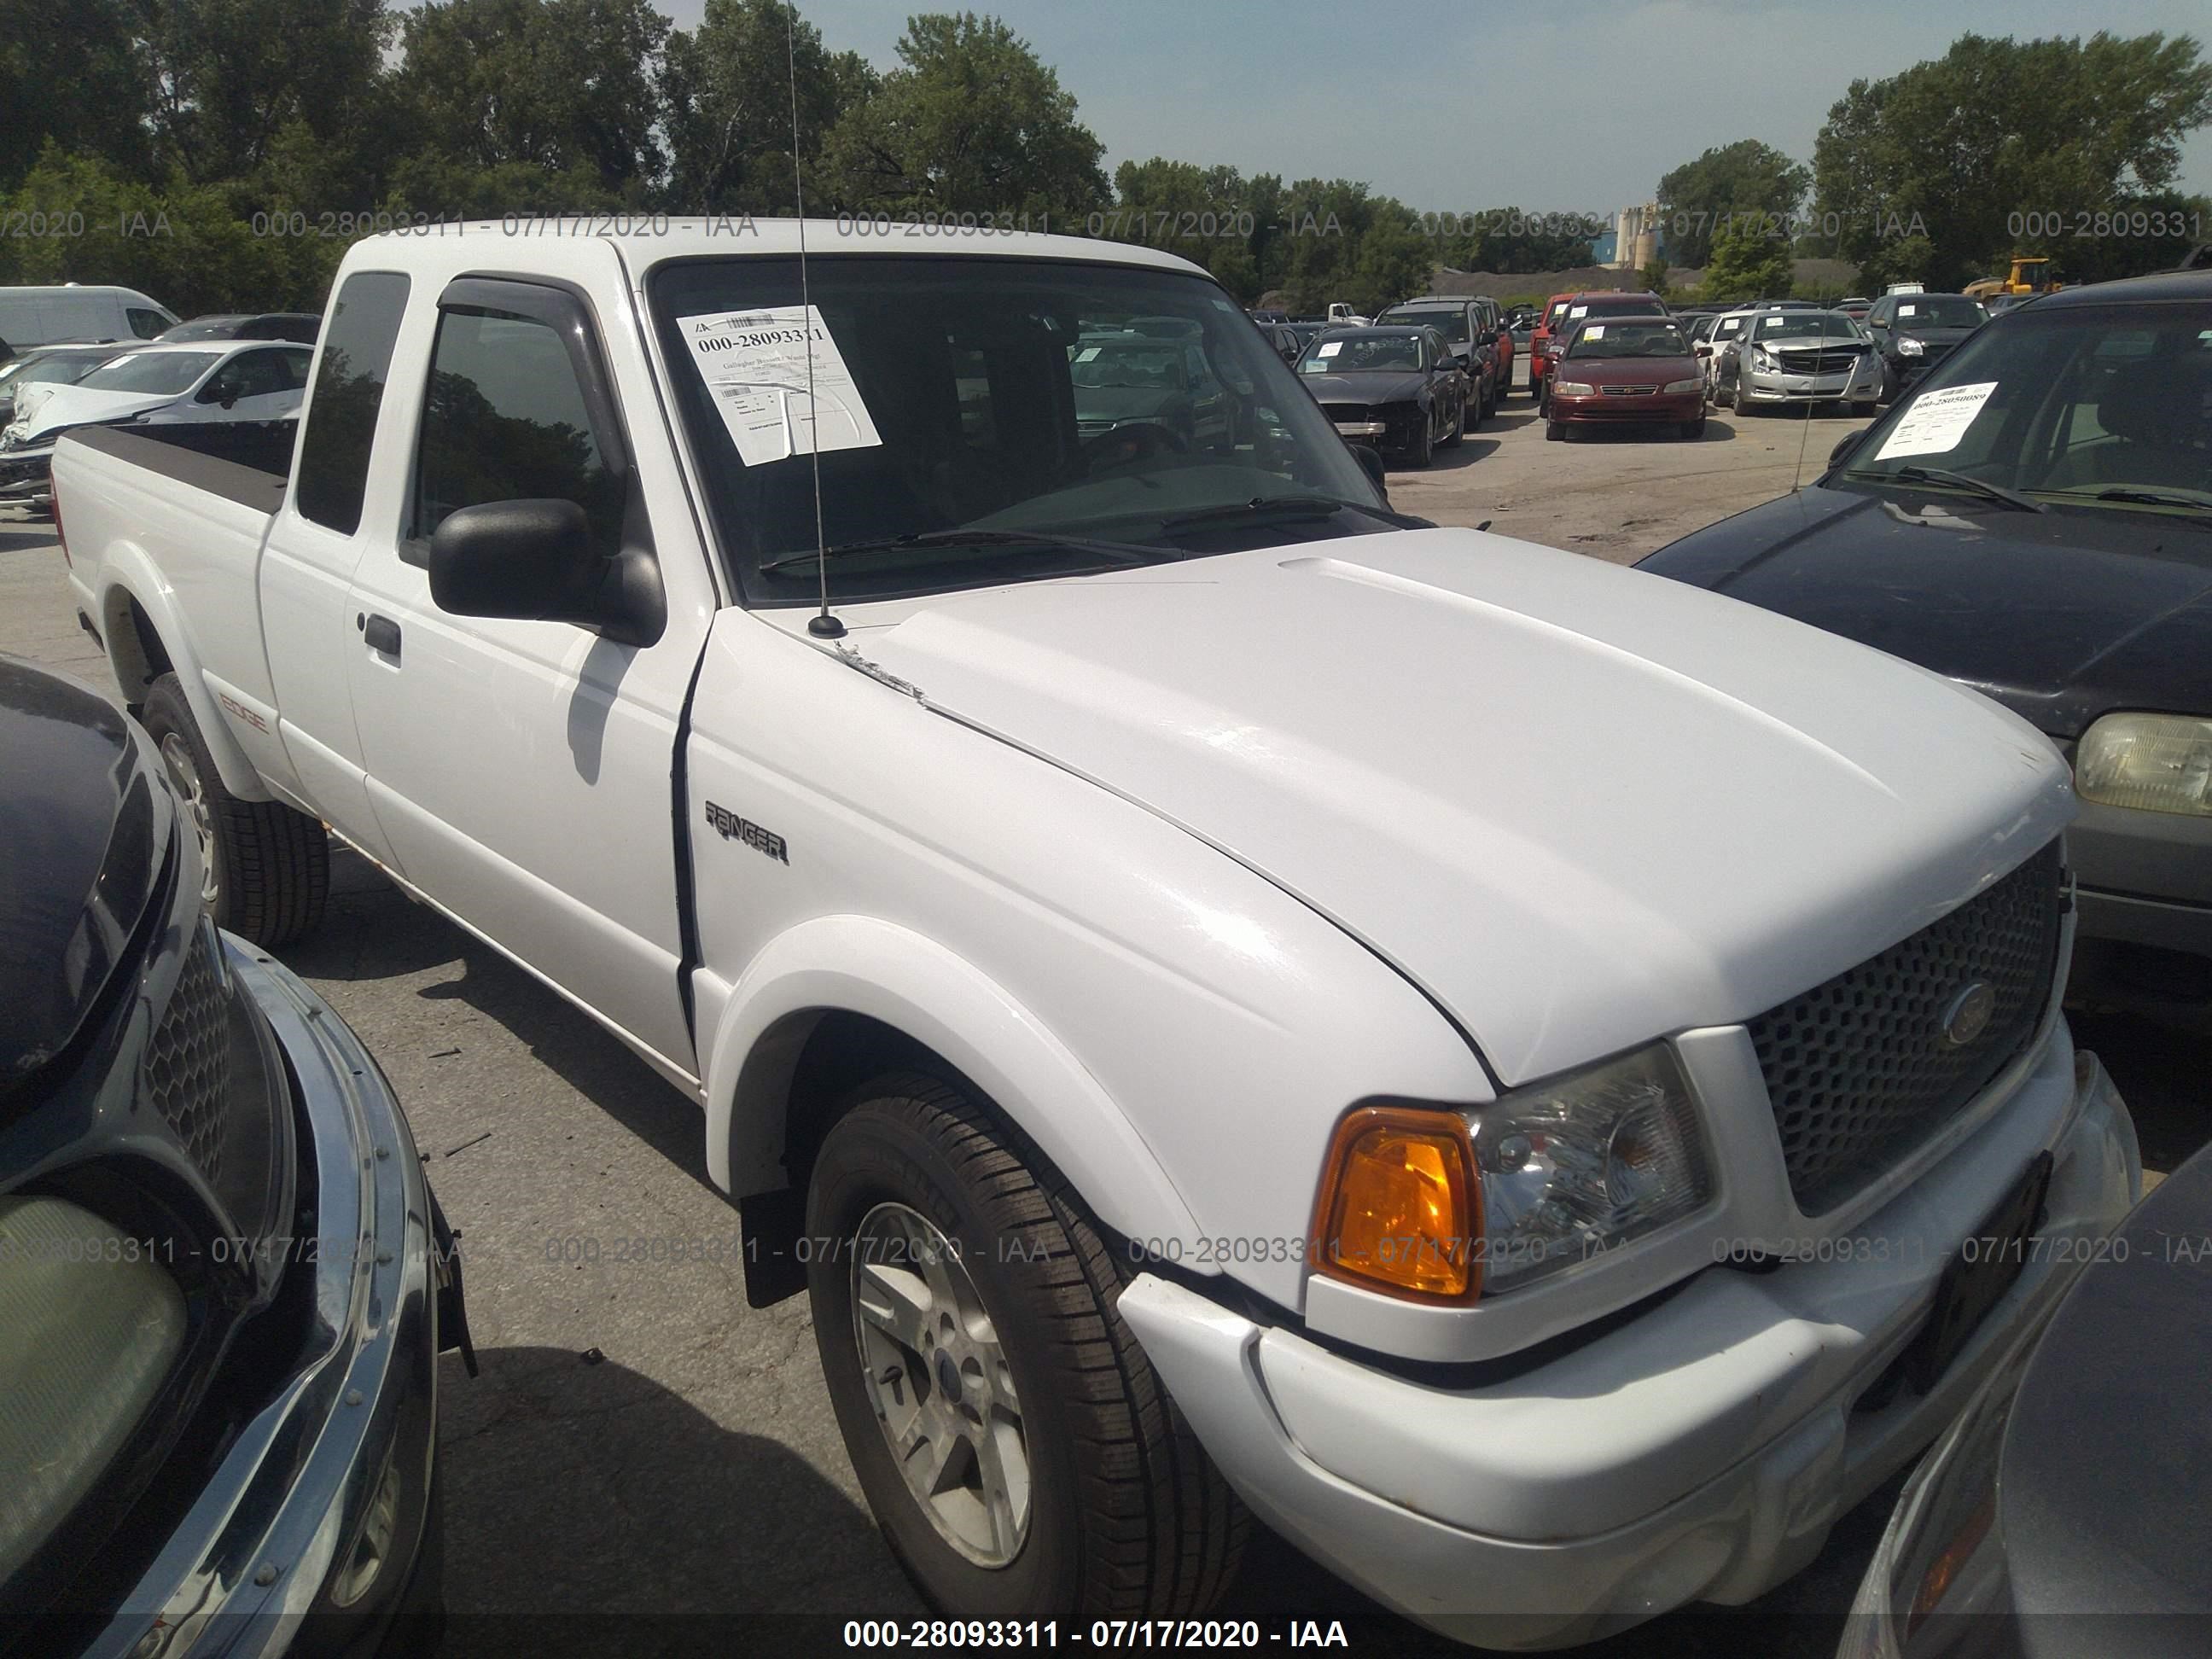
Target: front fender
column 866, row 966
column 126, row 576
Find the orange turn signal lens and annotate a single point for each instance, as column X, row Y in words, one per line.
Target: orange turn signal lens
column 1400, row 1207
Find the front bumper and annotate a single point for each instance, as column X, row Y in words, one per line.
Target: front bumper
column 254, row 1567
column 2144, row 878
column 27, row 477
column 1700, row 1451
column 1769, row 386
column 1602, row 410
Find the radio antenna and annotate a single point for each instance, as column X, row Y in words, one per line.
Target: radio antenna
column 822, row 625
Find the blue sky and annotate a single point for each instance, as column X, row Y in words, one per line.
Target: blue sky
column 1575, row 104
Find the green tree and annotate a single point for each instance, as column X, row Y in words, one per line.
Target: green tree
column 76, row 74
column 971, row 121
column 229, row 75
column 502, row 89
column 727, row 91
column 1747, row 264
column 1744, row 179
column 2003, row 146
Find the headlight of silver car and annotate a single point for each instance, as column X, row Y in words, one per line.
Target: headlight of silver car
column 1911, row 348
column 2153, row 762
column 94, row 1324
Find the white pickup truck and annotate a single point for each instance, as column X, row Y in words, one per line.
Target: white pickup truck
column 1545, row 1083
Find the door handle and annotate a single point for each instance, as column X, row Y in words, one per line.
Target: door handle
column 381, row 634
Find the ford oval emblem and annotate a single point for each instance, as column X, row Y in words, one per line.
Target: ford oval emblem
column 1968, row 1016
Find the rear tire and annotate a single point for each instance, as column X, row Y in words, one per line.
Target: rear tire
column 1120, row 1510
column 266, row 868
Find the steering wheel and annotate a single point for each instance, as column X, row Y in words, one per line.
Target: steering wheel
column 1139, row 440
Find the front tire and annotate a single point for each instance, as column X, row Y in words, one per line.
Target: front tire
column 1742, row 404
column 964, row 1309
column 1459, row 427
column 1555, row 431
column 265, row 869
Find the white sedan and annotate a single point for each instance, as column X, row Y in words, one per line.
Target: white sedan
column 244, row 380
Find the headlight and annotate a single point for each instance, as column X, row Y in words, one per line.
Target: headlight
column 2153, row 762
column 1574, row 389
column 1441, row 1204
column 94, row 1326
column 1762, row 358
column 1911, row 348
column 13, row 438
column 1674, row 387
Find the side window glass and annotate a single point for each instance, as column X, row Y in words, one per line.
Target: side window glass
column 293, row 366
column 504, row 419
column 145, row 324
column 333, row 472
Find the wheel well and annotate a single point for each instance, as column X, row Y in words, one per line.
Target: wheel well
column 134, row 650
column 804, row 1069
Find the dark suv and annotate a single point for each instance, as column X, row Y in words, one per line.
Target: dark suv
column 1915, row 332
column 1471, row 326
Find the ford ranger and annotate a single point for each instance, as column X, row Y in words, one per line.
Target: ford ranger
column 1543, row 1083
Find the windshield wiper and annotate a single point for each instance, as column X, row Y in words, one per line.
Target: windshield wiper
column 2137, row 495
column 971, row 538
column 1945, row 477
column 1291, row 507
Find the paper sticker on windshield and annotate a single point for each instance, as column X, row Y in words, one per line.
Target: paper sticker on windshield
column 1594, row 331
column 1577, row 310
column 755, row 363
column 1937, row 420
column 1907, row 311
column 1772, row 322
column 1086, row 354
column 1329, row 347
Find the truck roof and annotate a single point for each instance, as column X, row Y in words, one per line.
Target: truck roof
column 647, row 240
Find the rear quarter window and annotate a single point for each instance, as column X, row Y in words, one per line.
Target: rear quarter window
column 333, row 477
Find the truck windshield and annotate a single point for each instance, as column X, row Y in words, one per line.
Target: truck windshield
column 1067, row 416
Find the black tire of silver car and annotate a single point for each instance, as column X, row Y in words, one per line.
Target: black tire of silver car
column 266, row 869
column 998, row 1354
column 1742, row 404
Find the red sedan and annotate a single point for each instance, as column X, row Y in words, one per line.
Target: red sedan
column 1622, row 369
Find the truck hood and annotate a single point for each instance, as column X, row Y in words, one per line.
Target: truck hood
column 2062, row 616
column 60, row 406
column 1579, row 807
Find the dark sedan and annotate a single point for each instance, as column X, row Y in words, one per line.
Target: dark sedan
column 223, row 1282
column 299, row 327
column 2035, row 519
column 1395, row 388
column 1634, row 370
column 1913, row 332
column 2064, row 1513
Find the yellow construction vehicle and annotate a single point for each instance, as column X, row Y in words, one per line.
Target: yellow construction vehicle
column 2031, row 274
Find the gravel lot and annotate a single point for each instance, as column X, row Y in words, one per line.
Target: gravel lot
column 640, row 1442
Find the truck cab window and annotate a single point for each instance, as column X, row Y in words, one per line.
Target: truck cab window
column 332, row 476
column 504, row 419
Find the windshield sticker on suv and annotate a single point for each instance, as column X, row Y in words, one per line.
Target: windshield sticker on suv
column 1907, row 311
column 1329, row 347
column 1936, row 420
column 1593, row 331
column 1577, row 310
column 755, row 363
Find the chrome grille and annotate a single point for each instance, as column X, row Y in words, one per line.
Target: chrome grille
column 187, row 1069
column 1628, row 391
column 1817, row 362
column 1859, row 1070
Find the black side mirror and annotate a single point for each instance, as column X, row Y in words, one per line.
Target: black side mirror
column 534, row 561
column 1845, row 445
column 1370, row 461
